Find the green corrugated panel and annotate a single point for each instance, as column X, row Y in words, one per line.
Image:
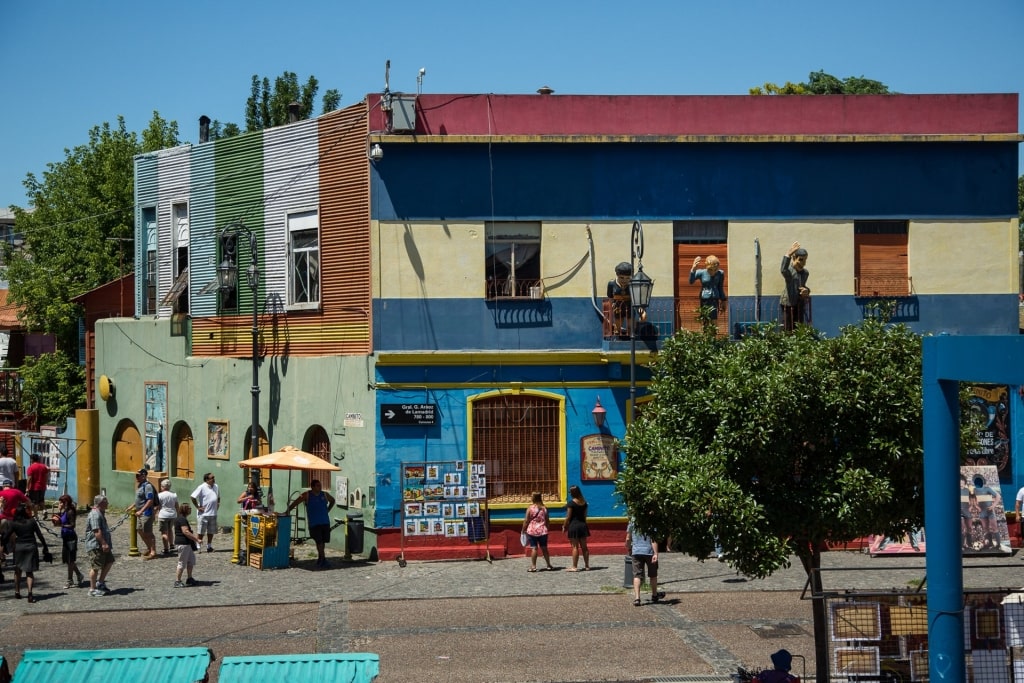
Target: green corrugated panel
column 337, row 667
column 238, row 179
column 165, row 664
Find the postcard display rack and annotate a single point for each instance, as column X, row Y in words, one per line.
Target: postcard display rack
column 444, row 499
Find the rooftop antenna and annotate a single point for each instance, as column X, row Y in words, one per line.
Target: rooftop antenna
column 419, row 81
column 385, row 104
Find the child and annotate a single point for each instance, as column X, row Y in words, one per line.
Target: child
column 186, row 542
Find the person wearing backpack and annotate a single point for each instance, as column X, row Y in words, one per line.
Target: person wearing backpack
column 146, row 504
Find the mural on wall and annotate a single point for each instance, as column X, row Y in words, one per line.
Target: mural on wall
column 983, row 527
column 217, row 440
column 156, row 425
column 989, row 406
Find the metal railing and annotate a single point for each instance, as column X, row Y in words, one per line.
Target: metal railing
column 665, row 317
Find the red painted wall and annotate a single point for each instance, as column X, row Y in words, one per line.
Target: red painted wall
column 708, row 114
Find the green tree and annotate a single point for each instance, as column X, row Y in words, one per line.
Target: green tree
column 821, row 83
column 54, row 387
column 778, row 443
column 268, row 107
column 82, row 211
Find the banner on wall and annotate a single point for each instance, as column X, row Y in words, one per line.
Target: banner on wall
column 983, row 527
column 990, row 413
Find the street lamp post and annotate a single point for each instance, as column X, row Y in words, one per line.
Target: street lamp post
column 227, row 276
column 640, row 287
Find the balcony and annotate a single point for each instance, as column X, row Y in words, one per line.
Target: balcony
column 665, row 317
column 514, row 288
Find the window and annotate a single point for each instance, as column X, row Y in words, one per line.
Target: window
column 519, row 437
column 512, row 259
column 303, row 259
column 880, row 259
column 149, row 277
column 179, row 220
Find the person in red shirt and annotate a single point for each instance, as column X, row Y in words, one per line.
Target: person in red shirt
column 10, row 499
column 38, row 475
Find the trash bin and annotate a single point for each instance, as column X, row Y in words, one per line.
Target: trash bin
column 354, row 533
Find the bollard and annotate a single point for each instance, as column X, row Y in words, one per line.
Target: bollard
column 627, row 581
column 236, row 543
column 133, row 538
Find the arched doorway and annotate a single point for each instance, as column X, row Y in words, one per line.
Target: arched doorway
column 318, row 443
column 127, row 447
column 183, row 451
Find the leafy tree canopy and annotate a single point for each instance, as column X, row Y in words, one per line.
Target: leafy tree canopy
column 821, row 83
column 268, row 106
column 779, row 442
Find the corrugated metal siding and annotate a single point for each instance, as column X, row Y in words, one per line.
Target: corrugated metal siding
column 341, row 667
column 291, row 183
column 202, row 211
column 239, row 198
column 345, row 234
column 169, row 665
column 173, row 170
column 146, row 187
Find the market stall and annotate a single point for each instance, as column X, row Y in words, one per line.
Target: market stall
column 266, row 536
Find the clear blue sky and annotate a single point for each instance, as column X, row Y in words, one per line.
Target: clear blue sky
column 66, row 66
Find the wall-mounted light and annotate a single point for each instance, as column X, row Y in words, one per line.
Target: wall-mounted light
column 376, row 152
column 599, row 414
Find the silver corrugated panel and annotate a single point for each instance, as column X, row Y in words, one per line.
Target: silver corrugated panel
column 203, row 215
column 291, row 183
column 173, row 188
column 146, row 188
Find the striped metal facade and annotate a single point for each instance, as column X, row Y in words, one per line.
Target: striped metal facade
column 257, row 180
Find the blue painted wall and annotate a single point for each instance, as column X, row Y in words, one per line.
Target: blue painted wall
column 716, row 180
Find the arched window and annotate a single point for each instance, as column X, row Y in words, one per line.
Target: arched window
column 520, row 437
column 183, row 452
column 318, row 443
column 127, row 447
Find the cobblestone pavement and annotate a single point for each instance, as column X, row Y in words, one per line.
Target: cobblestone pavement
column 458, row 620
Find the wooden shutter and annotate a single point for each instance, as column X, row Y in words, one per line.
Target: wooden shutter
column 687, row 295
column 880, row 264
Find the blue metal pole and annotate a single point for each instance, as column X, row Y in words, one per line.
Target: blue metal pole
column 944, row 559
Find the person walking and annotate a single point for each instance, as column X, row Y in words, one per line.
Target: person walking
column 38, row 475
column 65, row 518
column 206, row 499
column 318, row 506
column 644, row 551
column 24, row 531
column 146, row 503
column 576, row 528
column 535, row 526
column 167, row 512
column 10, row 499
column 97, row 542
column 185, row 543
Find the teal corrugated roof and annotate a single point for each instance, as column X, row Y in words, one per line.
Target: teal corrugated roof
column 165, row 664
column 337, row 667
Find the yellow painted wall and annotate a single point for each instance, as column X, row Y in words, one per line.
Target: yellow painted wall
column 964, row 257
column 829, row 248
column 446, row 260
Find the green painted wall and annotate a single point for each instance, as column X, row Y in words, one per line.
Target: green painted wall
column 295, row 393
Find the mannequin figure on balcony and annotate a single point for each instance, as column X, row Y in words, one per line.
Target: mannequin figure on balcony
column 793, row 302
column 712, row 283
column 618, row 292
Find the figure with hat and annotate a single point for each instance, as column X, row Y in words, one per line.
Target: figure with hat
column 783, row 662
column 622, row 308
column 793, row 302
column 147, row 503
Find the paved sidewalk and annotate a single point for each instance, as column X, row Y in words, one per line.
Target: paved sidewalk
column 460, row 620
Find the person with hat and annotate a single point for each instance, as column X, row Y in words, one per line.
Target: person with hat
column 146, row 504
column 783, row 662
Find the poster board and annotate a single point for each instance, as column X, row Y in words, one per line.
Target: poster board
column 444, row 500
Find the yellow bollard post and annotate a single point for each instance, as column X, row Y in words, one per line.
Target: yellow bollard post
column 133, row 538
column 236, row 544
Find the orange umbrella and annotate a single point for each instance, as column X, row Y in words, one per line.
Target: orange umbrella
column 289, row 458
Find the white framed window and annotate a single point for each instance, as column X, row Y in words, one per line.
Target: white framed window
column 149, row 276
column 303, row 259
column 180, row 228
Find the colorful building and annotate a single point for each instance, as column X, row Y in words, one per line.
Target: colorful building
column 433, row 273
